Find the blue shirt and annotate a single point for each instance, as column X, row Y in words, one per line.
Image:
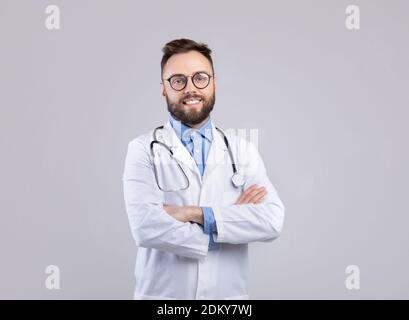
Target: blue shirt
column 205, row 136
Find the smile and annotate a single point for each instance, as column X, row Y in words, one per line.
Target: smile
column 191, row 101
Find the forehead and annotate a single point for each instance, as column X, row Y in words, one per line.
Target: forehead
column 187, row 63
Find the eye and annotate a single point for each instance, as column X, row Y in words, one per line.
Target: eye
column 177, row 80
column 201, row 77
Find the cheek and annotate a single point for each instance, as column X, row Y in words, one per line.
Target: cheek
column 208, row 93
column 175, row 98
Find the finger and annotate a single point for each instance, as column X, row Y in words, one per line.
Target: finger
column 245, row 193
column 254, row 198
column 259, row 198
column 252, row 193
column 260, row 201
column 260, row 192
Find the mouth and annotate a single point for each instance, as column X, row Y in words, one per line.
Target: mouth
column 192, row 101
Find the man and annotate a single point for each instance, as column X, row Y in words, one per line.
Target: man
column 192, row 224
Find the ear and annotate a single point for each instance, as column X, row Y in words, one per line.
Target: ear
column 215, row 81
column 162, row 89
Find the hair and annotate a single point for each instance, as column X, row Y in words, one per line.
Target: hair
column 182, row 46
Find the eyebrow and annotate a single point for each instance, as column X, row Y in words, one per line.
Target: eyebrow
column 181, row 74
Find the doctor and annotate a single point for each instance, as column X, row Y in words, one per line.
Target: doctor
column 195, row 196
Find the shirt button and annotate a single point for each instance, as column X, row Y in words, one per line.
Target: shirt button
column 197, row 151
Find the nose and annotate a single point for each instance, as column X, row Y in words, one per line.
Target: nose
column 190, row 87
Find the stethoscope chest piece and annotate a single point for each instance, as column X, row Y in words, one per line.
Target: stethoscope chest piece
column 237, row 180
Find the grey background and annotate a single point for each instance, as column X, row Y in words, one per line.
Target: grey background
column 330, row 105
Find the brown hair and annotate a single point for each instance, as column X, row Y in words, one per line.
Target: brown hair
column 183, row 46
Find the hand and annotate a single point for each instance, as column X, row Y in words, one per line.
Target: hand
column 252, row 195
column 185, row 213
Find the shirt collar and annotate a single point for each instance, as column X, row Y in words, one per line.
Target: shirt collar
column 180, row 128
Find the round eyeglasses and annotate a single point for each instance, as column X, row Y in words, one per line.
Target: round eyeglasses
column 199, row 79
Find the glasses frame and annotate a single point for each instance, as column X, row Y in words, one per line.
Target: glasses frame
column 187, row 80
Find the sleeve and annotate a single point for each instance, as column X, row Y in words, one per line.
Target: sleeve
column 247, row 223
column 151, row 225
column 209, row 226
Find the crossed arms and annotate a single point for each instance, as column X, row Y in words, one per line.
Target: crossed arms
column 257, row 215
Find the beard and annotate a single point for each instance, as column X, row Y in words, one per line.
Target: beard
column 189, row 115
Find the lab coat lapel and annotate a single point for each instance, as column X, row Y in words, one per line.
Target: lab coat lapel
column 179, row 150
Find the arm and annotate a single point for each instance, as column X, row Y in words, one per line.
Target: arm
column 150, row 224
column 203, row 216
column 244, row 223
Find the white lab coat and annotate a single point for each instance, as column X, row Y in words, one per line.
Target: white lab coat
column 173, row 261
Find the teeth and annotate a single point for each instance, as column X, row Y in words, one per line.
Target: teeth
column 192, row 101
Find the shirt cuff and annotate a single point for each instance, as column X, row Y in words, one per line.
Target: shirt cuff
column 213, row 245
column 209, row 222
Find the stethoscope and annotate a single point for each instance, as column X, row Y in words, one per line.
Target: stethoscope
column 237, row 179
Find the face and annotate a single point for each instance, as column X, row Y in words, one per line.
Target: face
column 191, row 105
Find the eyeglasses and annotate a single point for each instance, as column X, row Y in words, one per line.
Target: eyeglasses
column 199, row 79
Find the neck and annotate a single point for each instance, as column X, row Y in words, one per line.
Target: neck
column 197, row 126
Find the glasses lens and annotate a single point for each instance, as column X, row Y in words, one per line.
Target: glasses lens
column 178, row 82
column 201, row 80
